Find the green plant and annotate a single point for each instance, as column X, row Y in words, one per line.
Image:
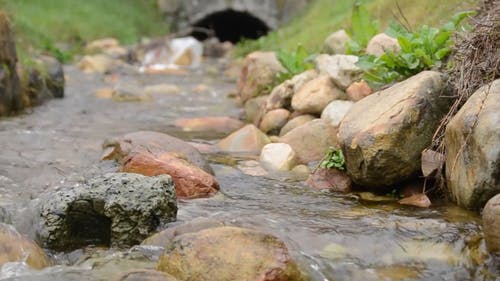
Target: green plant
column 363, row 28
column 421, row 50
column 294, row 62
column 334, row 158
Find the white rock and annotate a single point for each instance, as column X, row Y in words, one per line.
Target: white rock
column 341, row 68
column 278, row 156
column 335, row 111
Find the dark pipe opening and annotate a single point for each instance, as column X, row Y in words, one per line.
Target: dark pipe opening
column 230, row 25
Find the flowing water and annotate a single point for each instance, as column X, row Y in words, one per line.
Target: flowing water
column 332, row 236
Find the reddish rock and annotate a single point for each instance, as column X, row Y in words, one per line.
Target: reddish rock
column 358, row 90
column 190, row 181
column 331, row 179
column 418, row 200
column 220, row 124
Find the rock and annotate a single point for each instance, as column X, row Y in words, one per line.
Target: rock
column 190, row 181
column 331, row 179
column 301, row 172
column 252, row 168
column 11, row 99
column 144, row 275
column 418, row 200
column 255, row 108
column 381, row 43
column 335, row 111
column 341, row 68
column 274, row 120
column 336, row 42
column 16, row 248
column 358, row 90
column 129, row 93
column 161, row 239
column 102, row 45
column 315, row 95
column 104, row 93
column 97, row 63
column 432, row 162
column 472, row 149
column 202, row 88
column 159, row 89
column 281, row 95
column 156, row 143
column 228, row 253
column 311, row 140
column 383, row 134
column 259, row 70
column 247, row 139
column 116, row 209
column 53, row 74
column 278, row 157
column 491, row 224
column 222, row 124
column 296, row 122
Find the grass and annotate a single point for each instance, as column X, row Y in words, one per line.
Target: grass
column 324, row 17
column 62, row 27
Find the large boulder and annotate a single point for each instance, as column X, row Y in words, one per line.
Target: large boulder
column 491, row 224
column 16, row 248
column 336, row 42
column 156, row 143
column 248, row 139
column 228, row 253
column 281, row 95
column 10, row 89
column 382, row 136
column 315, row 95
column 341, row 68
column 311, row 140
column 472, row 149
column 259, row 70
column 190, row 181
column 116, row 209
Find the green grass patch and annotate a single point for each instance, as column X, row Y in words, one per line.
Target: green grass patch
column 325, row 16
column 62, row 27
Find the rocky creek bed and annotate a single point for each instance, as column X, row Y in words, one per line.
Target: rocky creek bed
column 331, row 236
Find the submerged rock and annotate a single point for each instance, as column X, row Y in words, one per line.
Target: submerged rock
column 259, row 70
column 331, row 179
column 382, row 136
column 228, row 253
column 190, row 181
column 144, row 275
column 116, row 209
column 491, row 224
column 472, row 143
column 16, row 248
column 156, row 143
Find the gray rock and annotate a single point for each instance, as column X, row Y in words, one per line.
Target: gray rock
column 54, row 79
column 336, row 42
column 116, row 209
column 472, row 142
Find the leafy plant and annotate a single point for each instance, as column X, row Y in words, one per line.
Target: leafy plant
column 421, row 50
column 334, row 158
column 294, row 62
column 363, row 28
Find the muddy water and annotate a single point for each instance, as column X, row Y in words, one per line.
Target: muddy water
column 332, row 236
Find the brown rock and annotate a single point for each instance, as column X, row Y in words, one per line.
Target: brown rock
column 491, row 224
column 190, row 181
column 220, row 124
column 281, row 95
column 228, row 253
column 259, row 70
column 97, row 63
column 296, row 122
column 331, row 179
column 381, row 43
column 358, row 90
column 16, row 248
column 255, row 108
column 156, row 143
column 315, row 95
column 144, row 275
column 248, row 139
column 104, row 93
column 311, row 140
column 274, row 120
column 101, row 45
column 418, row 200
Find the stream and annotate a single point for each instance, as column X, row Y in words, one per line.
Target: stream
column 332, row 236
